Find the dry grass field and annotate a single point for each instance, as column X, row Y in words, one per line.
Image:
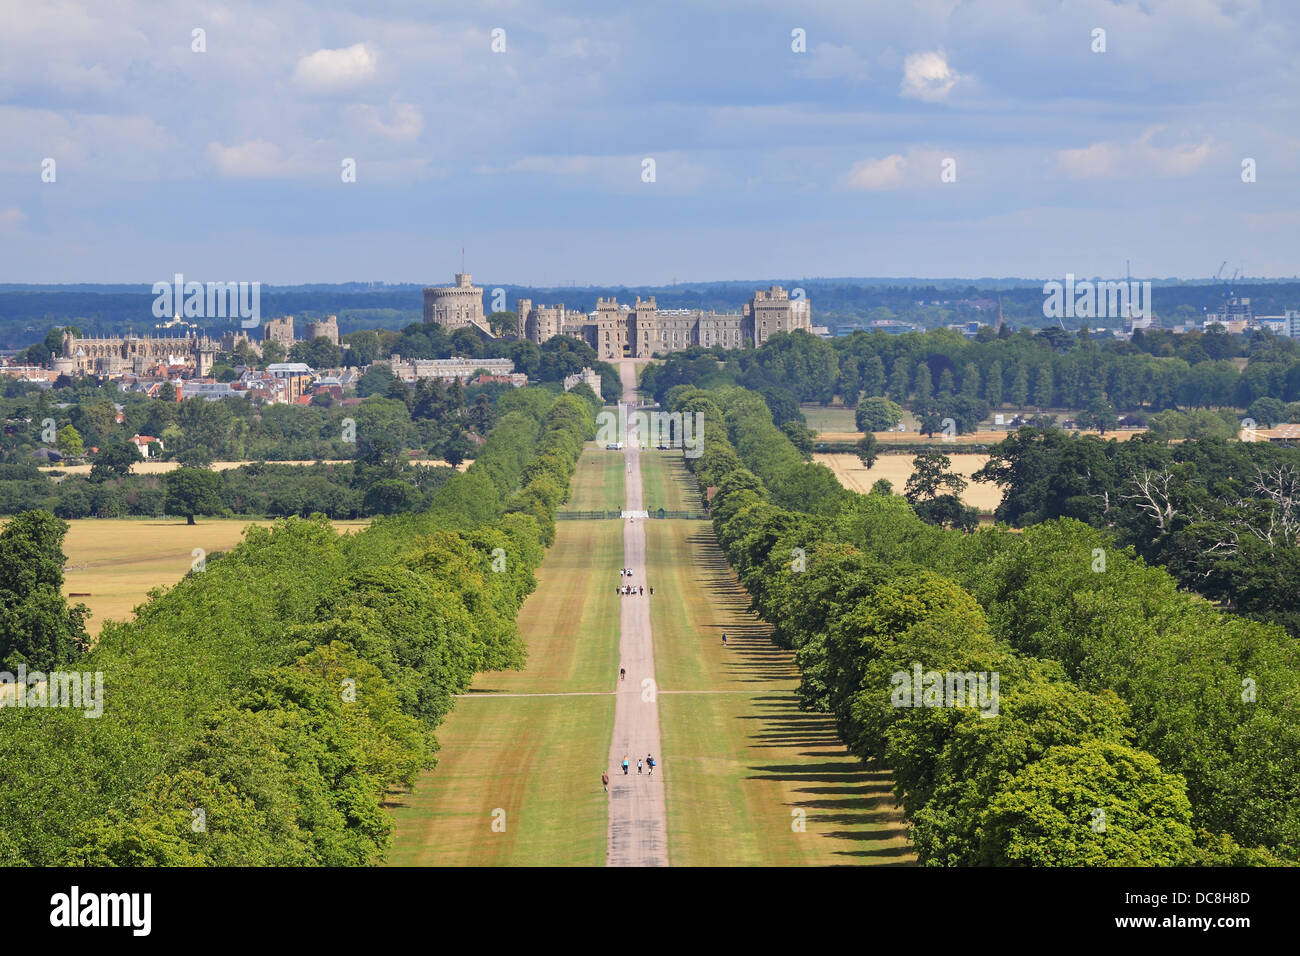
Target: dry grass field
column 155, row 467
column 117, row 561
column 898, row 468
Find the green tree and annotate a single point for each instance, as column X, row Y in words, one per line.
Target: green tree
column 867, row 449
column 191, row 492
column 930, row 475
column 37, row 627
column 993, row 385
column 1094, row 804
column 114, row 460
column 69, row 442
column 1019, row 393
column 873, row 377
column 875, row 414
column 272, row 352
column 923, row 386
column 899, row 380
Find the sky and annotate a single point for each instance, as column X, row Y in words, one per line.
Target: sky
column 604, row 143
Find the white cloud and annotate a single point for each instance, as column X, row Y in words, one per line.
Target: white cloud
column 928, row 77
column 332, row 71
column 1109, row 159
column 405, row 120
column 11, row 218
column 257, row 159
column 885, row 173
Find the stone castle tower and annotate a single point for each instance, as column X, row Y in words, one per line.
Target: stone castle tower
column 327, row 328
column 279, row 330
column 457, row 306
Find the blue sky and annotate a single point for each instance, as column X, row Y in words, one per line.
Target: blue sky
column 226, row 164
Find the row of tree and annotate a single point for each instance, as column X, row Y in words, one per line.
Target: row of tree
column 1049, row 369
column 1222, row 516
column 1131, row 723
column 259, row 712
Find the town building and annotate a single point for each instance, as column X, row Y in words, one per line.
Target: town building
column 454, row 369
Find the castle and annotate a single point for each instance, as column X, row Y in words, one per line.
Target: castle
column 621, row 331
column 281, row 330
column 113, row 355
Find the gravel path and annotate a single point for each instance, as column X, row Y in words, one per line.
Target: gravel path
column 638, row 833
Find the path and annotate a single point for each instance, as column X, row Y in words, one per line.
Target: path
column 638, row 833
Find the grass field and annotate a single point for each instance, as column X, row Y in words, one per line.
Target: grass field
column 119, row 560
column 538, row 759
column 741, row 762
column 898, row 468
column 830, row 418
column 666, row 483
column 598, row 481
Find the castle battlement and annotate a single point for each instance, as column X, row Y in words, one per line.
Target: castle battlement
column 618, row 330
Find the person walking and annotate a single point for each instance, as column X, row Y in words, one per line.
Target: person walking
column 642, row 589
column 652, row 592
column 626, row 764
column 639, row 764
column 650, row 762
column 622, row 673
column 724, row 638
column 604, row 780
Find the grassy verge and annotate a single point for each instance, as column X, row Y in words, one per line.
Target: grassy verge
column 537, row 759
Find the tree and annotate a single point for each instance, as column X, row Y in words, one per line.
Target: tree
column 272, row 351
column 391, row 496
column 930, row 474
column 873, row 377
column 899, row 380
column 1267, row 412
column 114, row 460
column 363, row 347
column 167, row 392
column 923, row 387
column 931, row 420
column 191, row 492
column 69, row 442
column 1100, row 415
column 37, row 627
column 875, row 414
column 867, row 450
column 1094, row 804
column 503, row 323
column 801, row 436
column 993, row 385
column 1019, row 393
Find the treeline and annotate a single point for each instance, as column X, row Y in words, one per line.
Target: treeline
column 1222, row 516
column 259, row 712
column 433, row 416
column 1135, row 724
column 1050, row 369
column 338, row 490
